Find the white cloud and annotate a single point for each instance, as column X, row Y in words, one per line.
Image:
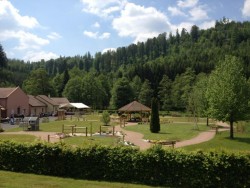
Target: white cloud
column 207, row 25
column 26, row 39
column 18, row 28
column 175, row 11
column 10, row 17
column 102, row 8
column 96, row 25
column 105, row 35
column 246, row 9
column 198, row 13
column 187, row 3
column 34, row 56
column 108, row 49
column 54, row 36
column 185, row 25
column 95, row 35
column 140, row 22
column 90, row 34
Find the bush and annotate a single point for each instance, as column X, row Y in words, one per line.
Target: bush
column 105, row 118
column 157, row 167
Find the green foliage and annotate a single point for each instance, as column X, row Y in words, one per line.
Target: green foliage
column 154, row 119
column 73, row 89
column 146, row 93
column 181, row 89
column 164, row 93
column 228, row 92
column 167, row 54
column 157, row 167
column 3, row 58
column 122, row 93
column 105, row 118
column 38, row 83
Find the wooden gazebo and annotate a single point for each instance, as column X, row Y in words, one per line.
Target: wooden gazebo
column 136, row 107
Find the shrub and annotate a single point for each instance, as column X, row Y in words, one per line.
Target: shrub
column 155, row 166
column 105, row 118
column 155, row 119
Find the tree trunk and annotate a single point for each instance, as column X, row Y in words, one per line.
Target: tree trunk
column 207, row 121
column 231, row 130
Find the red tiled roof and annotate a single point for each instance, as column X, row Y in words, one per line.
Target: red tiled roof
column 47, row 99
column 35, row 102
column 61, row 100
column 5, row 92
column 134, row 107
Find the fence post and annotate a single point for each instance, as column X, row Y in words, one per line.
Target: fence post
column 91, row 129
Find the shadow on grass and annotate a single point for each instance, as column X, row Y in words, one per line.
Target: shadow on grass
column 162, row 133
column 240, row 139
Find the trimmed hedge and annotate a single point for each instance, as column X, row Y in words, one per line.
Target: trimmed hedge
column 155, row 166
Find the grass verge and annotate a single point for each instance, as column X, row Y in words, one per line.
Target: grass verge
column 21, row 180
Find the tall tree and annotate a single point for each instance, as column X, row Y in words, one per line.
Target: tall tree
column 122, row 93
column 3, row 58
column 155, row 119
column 228, row 92
column 181, row 89
column 136, row 86
column 38, row 83
column 73, row 89
column 65, row 81
column 164, row 93
column 199, row 93
column 145, row 94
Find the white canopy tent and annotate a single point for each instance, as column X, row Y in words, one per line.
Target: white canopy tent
column 74, row 105
column 79, row 105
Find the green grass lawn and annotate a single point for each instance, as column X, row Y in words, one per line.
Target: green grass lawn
column 170, row 131
column 21, row 180
column 222, row 142
column 56, row 126
column 83, row 141
column 18, row 138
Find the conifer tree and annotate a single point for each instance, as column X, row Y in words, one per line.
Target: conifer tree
column 155, row 120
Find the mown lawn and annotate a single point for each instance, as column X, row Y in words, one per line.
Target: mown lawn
column 222, row 142
column 170, row 131
column 89, row 121
column 18, row 138
column 21, row 180
column 83, row 141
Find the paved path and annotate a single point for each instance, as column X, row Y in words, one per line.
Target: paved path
column 137, row 138
column 133, row 137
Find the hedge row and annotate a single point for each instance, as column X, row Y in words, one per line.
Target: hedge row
column 155, row 166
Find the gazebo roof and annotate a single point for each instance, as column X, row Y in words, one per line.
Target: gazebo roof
column 134, row 107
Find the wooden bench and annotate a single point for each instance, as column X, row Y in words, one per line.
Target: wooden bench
column 165, row 142
column 216, row 128
column 170, row 143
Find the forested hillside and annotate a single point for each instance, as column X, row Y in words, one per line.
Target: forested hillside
column 166, row 67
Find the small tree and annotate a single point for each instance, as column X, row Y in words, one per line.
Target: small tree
column 105, row 118
column 155, row 120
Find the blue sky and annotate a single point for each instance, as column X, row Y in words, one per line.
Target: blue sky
column 32, row 30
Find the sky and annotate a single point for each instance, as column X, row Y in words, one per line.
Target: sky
column 32, row 30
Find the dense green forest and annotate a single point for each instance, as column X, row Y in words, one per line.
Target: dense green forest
column 168, row 67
